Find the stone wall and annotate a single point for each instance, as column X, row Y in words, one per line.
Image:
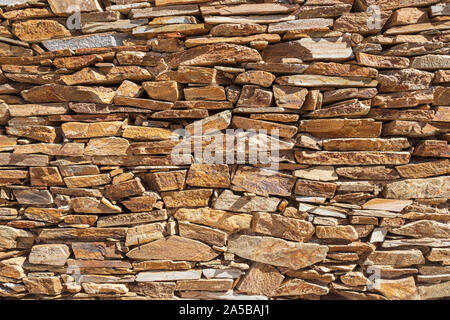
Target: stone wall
column 346, row 199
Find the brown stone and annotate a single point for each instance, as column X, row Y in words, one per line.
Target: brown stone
column 381, row 62
column 125, row 189
column 358, row 22
column 45, row 176
column 282, row 130
column 47, row 285
column 38, row 30
column 262, row 182
column 336, row 128
column 351, row 158
column 337, row 232
column 93, row 205
column 166, row 181
column 208, row 235
column 424, row 228
column 220, row 219
column 163, row 90
column 397, row 258
column 145, row 233
column 261, row 78
column 404, row 80
column 173, row 248
column 314, row 188
column 289, row 96
column 39, row 133
column 424, row 169
column 298, row 287
column 282, row 227
column 205, row 93
column 419, row 188
column 399, row 289
column 254, row 96
column 187, row 198
column 277, row 252
column 208, row 175
column 49, row 254
column 140, row 204
column 261, row 279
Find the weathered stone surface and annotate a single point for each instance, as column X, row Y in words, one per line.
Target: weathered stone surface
column 261, row 279
column 33, row 196
column 60, row 93
column 397, row 258
column 358, row 22
column 125, row 189
column 400, row 289
column 9, row 237
column 282, row 227
column 47, row 285
column 187, row 198
column 220, row 219
column 277, row 252
column 404, row 80
column 50, row 254
column 208, row 175
column 314, row 188
column 262, row 182
column 38, row 30
column 419, row 188
column 173, row 248
column 232, row 202
column 298, row 287
column 351, row 157
column 328, row 49
column 214, row 53
column 145, row 233
column 93, row 205
column 166, row 181
column 337, row 232
column 424, row 228
column 424, row 169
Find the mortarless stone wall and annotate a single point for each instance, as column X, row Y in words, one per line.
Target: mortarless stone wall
column 98, row 200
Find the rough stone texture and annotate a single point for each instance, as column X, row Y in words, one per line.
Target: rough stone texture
column 227, row 149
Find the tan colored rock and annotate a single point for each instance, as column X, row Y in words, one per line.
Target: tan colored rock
column 254, row 96
column 33, row 196
column 220, row 219
column 314, row 188
column 173, row 248
column 145, row 233
column 339, row 69
column 345, row 109
column 337, row 232
column 382, row 62
column 87, row 181
column 107, row 146
column 358, row 22
column 397, row 258
column 154, row 289
column 423, row 228
column 93, row 205
column 284, row 131
column 39, row 133
column 435, row 291
column 63, row 7
column 10, row 237
column 386, row 204
column 208, row 235
column 241, row 29
column 49, row 254
column 307, row 49
column 261, row 279
column 187, row 198
column 419, row 188
column 262, row 182
column 368, row 173
column 205, row 285
column 166, row 181
column 351, row 158
column 60, row 93
column 432, row 148
column 205, row 93
column 209, row 55
column 289, row 96
column 406, row 16
column 365, row 144
column 298, row 287
column 441, row 255
column 46, row 285
column 336, row 128
column 311, row 80
column 140, row 204
column 282, row 227
column 404, row 80
column 219, row 121
column 45, row 176
column 261, row 78
column 125, row 189
column 399, row 289
column 163, row 90
column 424, row 169
column 38, row 30
column 208, row 175
column 230, row 202
column 277, row 252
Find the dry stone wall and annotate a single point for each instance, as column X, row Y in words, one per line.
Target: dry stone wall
column 114, row 184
